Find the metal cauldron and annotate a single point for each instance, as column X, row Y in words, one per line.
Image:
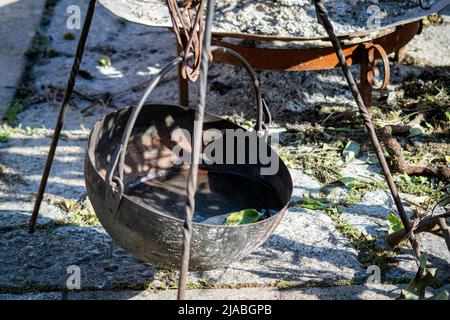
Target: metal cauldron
column 140, row 195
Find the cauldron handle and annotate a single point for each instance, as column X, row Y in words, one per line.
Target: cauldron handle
column 115, row 187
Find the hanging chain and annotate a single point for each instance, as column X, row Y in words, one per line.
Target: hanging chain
column 188, row 26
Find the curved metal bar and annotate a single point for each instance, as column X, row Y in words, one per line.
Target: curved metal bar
column 259, row 100
column 372, row 48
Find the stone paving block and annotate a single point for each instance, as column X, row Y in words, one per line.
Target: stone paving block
column 32, row 296
column 16, row 39
column 371, row 292
column 303, row 185
column 438, row 257
column 370, row 215
column 17, row 211
column 42, row 259
column 304, row 247
column 24, row 156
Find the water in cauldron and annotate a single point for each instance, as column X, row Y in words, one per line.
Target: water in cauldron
column 218, row 195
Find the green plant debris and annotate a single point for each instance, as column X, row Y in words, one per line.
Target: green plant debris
column 69, row 36
column 312, row 203
column 243, row 217
column 13, row 112
column 447, row 114
column 81, row 213
column 104, row 61
column 200, row 284
column 368, row 252
column 322, row 162
column 394, row 223
column 354, row 196
column 351, row 150
column 353, row 183
column 419, row 185
column 424, row 278
column 4, row 134
column 164, row 280
column 241, row 120
column 285, row 284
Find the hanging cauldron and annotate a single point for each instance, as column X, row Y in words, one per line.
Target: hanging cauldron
column 138, row 189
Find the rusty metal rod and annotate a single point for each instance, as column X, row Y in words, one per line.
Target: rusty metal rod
column 322, row 16
column 62, row 113
column 196, row 149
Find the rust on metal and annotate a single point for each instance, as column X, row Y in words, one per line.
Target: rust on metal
column 314, row 58
column 370, row 70
column 188, row 26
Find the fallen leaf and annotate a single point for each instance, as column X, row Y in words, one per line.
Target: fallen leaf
column 243, row 217
column 353, row 183
column 351, row 150
column 312, row 203
column 394, row 223
column 104, row 61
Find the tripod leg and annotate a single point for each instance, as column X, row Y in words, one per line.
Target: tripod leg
column 62, row 113
column 367, row 119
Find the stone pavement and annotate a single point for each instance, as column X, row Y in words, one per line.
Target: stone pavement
column 307, row 249
column 19, row 20
column 368, row 292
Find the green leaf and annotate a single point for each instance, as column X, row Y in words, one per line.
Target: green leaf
column 312, row 203
column 373, row 159
column 423, row 260
column 243, row 217
column 447, row 114
column 443, row 295
column 104, row 61
column 4, row 138
column 407, row 178
column 394, row 222
column 351, row 150
column 423, row 278
column 353, row 183
column 406, row 295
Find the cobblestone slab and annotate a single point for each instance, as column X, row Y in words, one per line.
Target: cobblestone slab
column 16, row 39
column 304, row 247
column 372, row 292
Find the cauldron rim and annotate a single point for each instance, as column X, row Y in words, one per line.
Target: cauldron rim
column 99, row 123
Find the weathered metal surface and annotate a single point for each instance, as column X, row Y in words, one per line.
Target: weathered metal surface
column 151, row 229
column 155, row 13
column 315, row 58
